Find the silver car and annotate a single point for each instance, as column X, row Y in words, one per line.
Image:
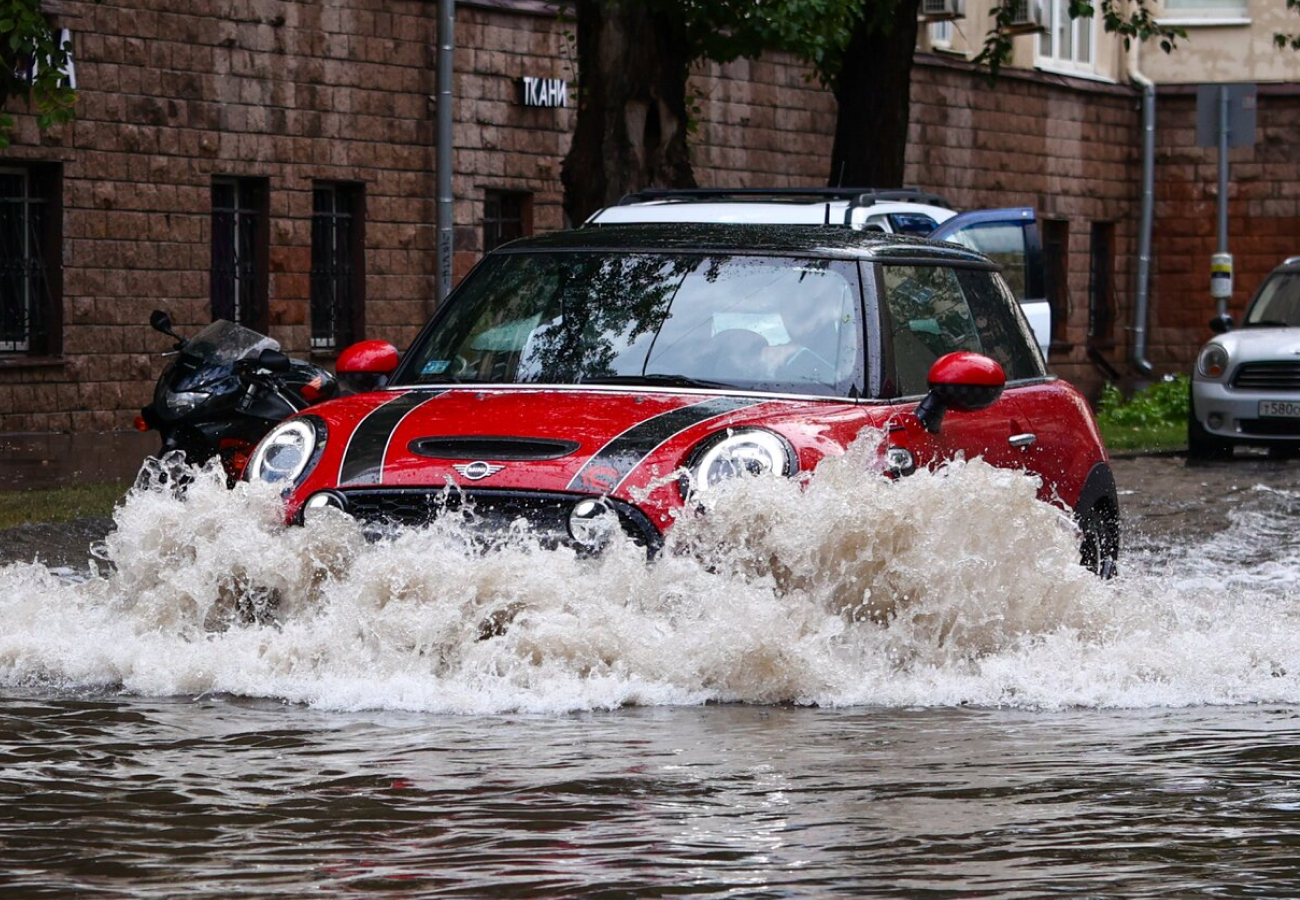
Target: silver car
column 1246, row 386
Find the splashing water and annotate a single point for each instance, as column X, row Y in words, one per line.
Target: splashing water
column 949, row 587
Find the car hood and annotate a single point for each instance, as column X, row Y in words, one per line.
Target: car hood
column 519, row 438
column 1255, row 344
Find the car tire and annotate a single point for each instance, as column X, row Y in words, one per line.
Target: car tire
column 1099, row 546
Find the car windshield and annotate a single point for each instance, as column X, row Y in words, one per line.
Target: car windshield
column 1278, row 303
column 785, row 325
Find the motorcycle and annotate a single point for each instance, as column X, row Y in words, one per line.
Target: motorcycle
column 226, row 388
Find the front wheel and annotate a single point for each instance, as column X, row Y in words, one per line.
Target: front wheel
column 1099, row 547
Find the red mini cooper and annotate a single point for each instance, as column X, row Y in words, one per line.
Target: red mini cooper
column 570, row 376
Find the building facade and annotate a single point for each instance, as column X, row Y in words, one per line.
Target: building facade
column 273, row 162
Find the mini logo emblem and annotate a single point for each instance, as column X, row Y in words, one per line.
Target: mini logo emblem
column 477, row 471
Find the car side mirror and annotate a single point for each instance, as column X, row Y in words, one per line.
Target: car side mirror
column 367, row 365
column 963, row 381
column 1221, row 324
column 273, row 360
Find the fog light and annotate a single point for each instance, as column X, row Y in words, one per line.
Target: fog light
column 319, row 501
column 899, row 461
column 592, row 523
column 1214, row 420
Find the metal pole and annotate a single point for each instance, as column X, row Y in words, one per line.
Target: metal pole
column 1141, row 305
column 446, row 200
column 1222, row 303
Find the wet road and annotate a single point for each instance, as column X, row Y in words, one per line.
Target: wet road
column 1055, row 737
column 37, row 461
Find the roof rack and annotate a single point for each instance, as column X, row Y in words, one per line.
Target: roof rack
column 857, row 197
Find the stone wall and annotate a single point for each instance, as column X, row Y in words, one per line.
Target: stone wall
column 1065, row 146
column 1263, row 216
column 175, row 92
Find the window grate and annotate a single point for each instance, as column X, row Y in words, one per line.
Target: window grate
column 335, row 271
column 238, row 278
column 506, row 217
column 24, row 289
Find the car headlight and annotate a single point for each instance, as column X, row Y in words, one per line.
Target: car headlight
column 287, row 452
column 1213, row 361
column 739, row 453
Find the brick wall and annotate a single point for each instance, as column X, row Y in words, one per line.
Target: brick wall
column 501, row 144
column 1065, row 146
column 761, row 123
column 1263, row 216
column 175, row 92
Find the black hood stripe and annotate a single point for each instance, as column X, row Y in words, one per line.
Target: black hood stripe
column 614, row 462
column 363, row 458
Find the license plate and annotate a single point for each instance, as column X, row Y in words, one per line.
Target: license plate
column 1285, row 409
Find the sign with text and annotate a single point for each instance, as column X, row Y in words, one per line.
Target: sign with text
column 544, row 91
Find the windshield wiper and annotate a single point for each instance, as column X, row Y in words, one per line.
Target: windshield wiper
column 1269, row 323
column 665, row 380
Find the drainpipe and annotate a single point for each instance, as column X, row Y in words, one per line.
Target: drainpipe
column 446, row 200
column 1142, row 301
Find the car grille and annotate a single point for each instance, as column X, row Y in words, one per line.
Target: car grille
column 493, row 510
column 1267, row 376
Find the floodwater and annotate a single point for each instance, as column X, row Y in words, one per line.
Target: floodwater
column 858, row 688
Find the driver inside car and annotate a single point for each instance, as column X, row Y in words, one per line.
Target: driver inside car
column 816, row 320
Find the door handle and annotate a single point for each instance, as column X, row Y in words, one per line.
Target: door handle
column 1023, row 440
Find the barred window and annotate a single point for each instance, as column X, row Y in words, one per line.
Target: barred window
column 238, row 279
column 506, row 215
column 337, row 265
column 30, row 260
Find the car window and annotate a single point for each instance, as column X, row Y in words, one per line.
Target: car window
column 928, row 317
column 790, row 325
column 1278, row 302
column 935, row 310
column 1002, row 242
column 911, row 223
column 1004, row 332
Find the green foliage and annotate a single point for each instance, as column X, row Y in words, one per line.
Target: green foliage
column 32, row 63
column 817, row 31
column 58, row 504
column 1164, row 401
column 1288, row 41
column 1153, row 418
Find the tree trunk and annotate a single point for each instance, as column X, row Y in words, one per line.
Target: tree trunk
column 873, row 90
column 631, row 130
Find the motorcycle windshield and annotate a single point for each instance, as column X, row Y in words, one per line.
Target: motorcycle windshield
column 212, row 353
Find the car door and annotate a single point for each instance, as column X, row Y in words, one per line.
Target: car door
column 927, row 311
column 1010, row 238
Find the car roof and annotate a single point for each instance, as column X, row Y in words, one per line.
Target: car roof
column 833, row 241
column 756, row 212
column 774, row 206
